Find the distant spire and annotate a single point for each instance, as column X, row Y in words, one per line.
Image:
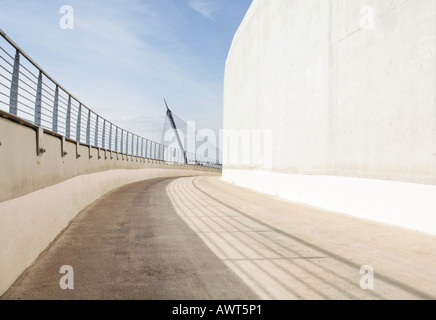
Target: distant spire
column 166, row 104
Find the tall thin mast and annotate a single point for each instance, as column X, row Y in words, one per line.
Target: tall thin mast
column 173, row 125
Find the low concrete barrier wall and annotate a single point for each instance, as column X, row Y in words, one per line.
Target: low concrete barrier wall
column 23, row 171
column 40, row 195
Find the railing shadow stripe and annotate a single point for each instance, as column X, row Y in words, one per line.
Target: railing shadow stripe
column 387, row 279
column 313, row 274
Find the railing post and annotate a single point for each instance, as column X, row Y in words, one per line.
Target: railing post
column 79, row 120
column 88, row 129
column 127, row 146
column 88, row 134
column 122, row 141
column 137, row 146
column 68, row 120
column 103, row 138
column 110, row 141
column 96, row 132
column 38, row 100
column 55, row 110
column 127, row 143
column 116, row 141
column 128, row 151
column 13, row 100
column 132, row 150
column 142, row 148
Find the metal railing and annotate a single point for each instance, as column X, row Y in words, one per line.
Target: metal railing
column 29, row 93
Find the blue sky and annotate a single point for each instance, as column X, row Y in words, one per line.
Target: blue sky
column 124, row 56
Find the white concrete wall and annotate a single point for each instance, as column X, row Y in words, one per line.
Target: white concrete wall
column 344, row 95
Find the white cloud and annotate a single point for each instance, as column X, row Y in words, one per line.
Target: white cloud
column 205, row 7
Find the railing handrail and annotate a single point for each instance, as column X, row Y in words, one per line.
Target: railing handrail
column 106, row 124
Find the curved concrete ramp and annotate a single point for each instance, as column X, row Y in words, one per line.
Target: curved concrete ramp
column 130, row 244
column 201, row 238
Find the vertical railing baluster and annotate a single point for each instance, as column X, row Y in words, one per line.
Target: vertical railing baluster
column 137, row 146
column 38, row 100
column 96, row 132
column 68, row 120
column 126, row 151
column 122, row 141
column 55, row 110
column 103, row 138
column 132, row 150
column 78, row 125
column 110, row 137
column 116, row 139
column 88, row 129
column 13, row 100
column 142, row 148
column 127, row 143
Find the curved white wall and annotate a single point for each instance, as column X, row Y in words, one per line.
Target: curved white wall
column 347, row 88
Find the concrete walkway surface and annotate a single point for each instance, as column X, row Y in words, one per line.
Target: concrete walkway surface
column 201, row 238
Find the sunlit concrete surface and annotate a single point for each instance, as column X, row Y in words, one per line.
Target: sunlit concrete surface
column 408, row 205
column 202, row 238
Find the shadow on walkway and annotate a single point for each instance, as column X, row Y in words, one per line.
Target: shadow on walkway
column 275, row 263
